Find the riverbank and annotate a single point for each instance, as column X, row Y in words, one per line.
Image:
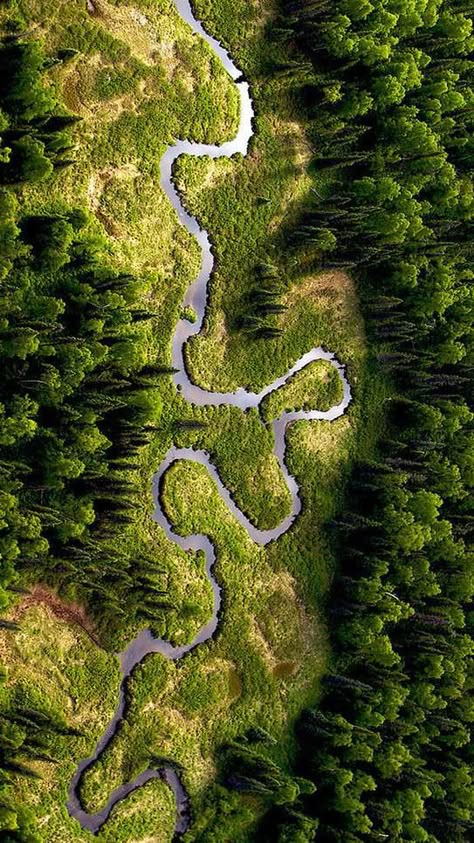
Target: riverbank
column 272, row 646
column 196, row 299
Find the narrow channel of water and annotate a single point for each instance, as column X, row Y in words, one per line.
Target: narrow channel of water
column 196, row 297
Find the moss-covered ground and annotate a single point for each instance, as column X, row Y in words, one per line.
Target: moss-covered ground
column 56, row 668
column 140, row 80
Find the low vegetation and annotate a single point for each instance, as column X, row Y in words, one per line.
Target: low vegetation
column 318, row 386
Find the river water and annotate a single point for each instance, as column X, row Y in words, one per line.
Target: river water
column 196, row 297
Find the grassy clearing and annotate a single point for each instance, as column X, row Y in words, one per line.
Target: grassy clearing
column 320, row 456
column 249, row 470
column 248, row 204
column 318, row 387
column 139, row 81
column 55, row 667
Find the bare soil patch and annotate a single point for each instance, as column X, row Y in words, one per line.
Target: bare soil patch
column 69, row 612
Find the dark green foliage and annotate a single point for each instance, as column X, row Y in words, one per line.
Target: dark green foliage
column 33, row 138
column 246, row 768
column 263, row 303
column 25, row 735
column 389, row 92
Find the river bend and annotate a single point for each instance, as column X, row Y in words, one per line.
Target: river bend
column 196, row 298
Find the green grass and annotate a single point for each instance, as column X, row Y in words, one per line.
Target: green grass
column 249, row 204
column 138, row 87
column 318, row 387
column 241, row 448
column 185, row 711
column 55, row 668
column 148, row 814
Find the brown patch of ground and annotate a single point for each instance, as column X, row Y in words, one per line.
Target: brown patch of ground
column 235, row 683
column 166, row 50
column 286, row 669
column 69, row 612
column 262, row 645
column 130, row 26
column 334, row 291
column 76, row 89
column 284, row 631
column 332, row 285
column 112, row 229
column 97, row 184
column 74, row 78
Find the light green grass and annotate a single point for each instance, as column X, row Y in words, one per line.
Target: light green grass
column 318, row 387
column 241, row 448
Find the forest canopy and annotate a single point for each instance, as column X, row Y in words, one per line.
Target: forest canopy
column 388, row 90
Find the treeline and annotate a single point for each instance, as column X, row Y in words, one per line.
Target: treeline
column 78, row 400
column 263, row 303
column 79, row 397
column 246, row 773
column 389, row 94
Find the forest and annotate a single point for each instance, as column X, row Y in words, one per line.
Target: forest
column 389, row 90
column 385, row 91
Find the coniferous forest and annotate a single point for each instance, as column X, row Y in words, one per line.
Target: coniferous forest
column 389, row 87
column 334, row 700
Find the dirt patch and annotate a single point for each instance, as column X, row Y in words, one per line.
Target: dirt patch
column 95, row 188
column 130, row 26
column 262, row 645
column 266, row 11
column 294, row 149
column 286, row 669
column 235, row 683
column 284, row 629
column 78, row 95
column 166, row 51
column 112, row 229
column 328, row 285
column 76, row 81
column 285, row 583
column 334, row 291
column 69, row 612
column 330, row 289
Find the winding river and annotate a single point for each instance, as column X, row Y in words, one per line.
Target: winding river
column 196, row 297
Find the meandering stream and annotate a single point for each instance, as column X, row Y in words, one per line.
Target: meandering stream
column 196, row 297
